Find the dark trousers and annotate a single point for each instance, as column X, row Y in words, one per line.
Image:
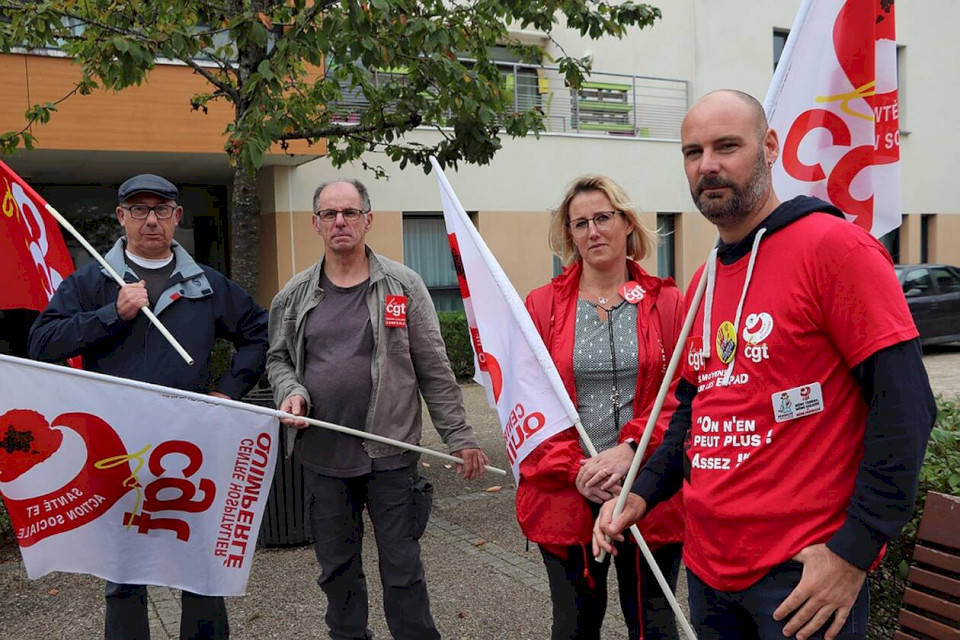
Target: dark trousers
column 579, row 603
column 399, row 505
column 203, row 617
column 749, row 613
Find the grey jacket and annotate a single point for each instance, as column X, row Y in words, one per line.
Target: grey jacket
column 406, row 362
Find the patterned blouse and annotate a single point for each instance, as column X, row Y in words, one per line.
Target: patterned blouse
column 598, row 347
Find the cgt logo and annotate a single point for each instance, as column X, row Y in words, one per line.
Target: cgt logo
column 106, row 473
column 520, row 426
column 757, row 328
column 395, row 311
column 695, row 359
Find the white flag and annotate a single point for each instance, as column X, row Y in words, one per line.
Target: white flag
column 833, row 102
column 512, row 361
column 131, row 482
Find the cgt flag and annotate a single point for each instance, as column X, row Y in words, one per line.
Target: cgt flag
column 833, row 101
column 155, row 485
column 33, row 256
column 511, row 359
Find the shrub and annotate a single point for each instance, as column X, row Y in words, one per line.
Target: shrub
column 940, row 473
column 456, row 335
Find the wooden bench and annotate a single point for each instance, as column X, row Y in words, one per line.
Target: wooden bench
column 931, row 601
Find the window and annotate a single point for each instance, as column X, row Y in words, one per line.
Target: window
column 427, row 251
column 947, row 280
column 918, row 283
column 779, row 42
column 557, row 266
column 925, row 222
column 902, row 87
column 891, row 242
column 666, row 251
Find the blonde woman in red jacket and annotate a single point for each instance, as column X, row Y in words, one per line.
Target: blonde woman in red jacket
column 610, row 328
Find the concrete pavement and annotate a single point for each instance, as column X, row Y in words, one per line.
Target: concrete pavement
column 484, row 582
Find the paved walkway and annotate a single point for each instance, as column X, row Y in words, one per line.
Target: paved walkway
column 484, row 581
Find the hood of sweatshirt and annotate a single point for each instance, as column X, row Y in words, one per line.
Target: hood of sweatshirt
column 784, row 215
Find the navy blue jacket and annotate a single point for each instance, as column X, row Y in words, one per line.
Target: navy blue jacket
column 198, row 306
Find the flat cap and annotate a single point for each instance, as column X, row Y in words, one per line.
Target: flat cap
column 148, row 183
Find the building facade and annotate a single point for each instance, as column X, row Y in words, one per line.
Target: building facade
column 623, row 123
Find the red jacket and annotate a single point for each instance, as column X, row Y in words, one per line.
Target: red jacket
column 549, row 508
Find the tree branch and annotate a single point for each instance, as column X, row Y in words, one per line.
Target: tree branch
column 411, row 122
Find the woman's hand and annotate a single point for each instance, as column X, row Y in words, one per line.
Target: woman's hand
column 604, row 473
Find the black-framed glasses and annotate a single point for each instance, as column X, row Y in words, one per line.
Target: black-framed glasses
column 142, row 211
column 350, row 214
column 602, row 220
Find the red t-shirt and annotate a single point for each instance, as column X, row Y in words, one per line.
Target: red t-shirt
column 774, row 453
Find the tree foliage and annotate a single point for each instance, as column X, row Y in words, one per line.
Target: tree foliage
column 283, row 66
column 279, row 62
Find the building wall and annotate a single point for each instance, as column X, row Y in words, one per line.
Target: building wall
column 704, row 43
column 155, row 116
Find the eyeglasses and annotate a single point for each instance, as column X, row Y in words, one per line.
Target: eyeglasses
column 350, row 215
column 602, row 220
column 142, row 211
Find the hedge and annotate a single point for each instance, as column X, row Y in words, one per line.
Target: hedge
column 941, row 473
column 456, row 335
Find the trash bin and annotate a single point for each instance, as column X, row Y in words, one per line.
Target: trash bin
column 285, row 516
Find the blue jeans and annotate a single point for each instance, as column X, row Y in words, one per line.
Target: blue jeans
column 735, row 615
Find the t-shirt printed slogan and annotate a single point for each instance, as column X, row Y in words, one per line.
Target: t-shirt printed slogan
column 724, row 434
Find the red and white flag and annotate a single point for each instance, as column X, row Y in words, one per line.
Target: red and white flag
column 833, row 102
column 33, row 256
column 511, row 360
column 154, row 485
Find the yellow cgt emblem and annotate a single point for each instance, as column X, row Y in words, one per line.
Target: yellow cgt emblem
column 726, row 341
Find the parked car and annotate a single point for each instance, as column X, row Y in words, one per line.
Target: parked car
column 933, row 295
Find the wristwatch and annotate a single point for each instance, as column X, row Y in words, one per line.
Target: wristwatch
column 633, row 444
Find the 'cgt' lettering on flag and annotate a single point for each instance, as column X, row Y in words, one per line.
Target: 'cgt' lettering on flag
column 512, row 362
column 833, row 101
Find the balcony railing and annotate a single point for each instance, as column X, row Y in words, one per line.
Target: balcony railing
column 613, row 104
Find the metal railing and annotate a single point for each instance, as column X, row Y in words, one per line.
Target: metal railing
column 614, row 104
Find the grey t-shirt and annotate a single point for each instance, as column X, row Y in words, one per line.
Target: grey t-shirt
column 338, row 343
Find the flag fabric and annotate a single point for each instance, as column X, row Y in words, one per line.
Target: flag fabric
column 512, row 362
column 833, row 102
column 154, row 485
column 33, row 256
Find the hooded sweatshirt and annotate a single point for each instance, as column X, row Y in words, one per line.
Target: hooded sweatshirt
column 804, row 407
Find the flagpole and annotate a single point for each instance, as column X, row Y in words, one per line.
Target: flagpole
column 116, row 276
column 236, row 404
column 786, row 59
column 549, row 367
column 678, row 350
column 376, row 438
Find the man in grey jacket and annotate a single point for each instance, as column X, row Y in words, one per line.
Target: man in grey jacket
column 355, row 340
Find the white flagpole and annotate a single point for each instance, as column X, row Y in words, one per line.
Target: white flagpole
column 786, row 59
column 550, row 369
column 113, row 274
column 661, row 396
column 236, row 404
column 375, row 437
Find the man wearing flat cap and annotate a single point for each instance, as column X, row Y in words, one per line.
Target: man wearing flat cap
column 91, row 316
